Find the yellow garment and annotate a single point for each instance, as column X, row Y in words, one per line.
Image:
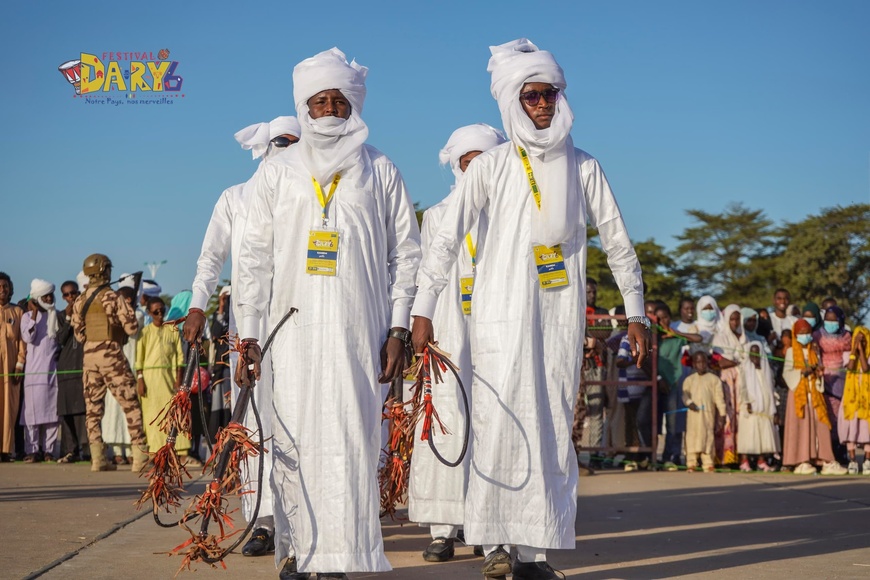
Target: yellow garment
column 158, row 356
column 804, row 387
column 856, row 394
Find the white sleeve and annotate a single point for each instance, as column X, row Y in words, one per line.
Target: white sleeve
column 790, row 375
column 603, row 213
column 459, row 217
column 256, row 259
column 403, row 247
column 215, row 249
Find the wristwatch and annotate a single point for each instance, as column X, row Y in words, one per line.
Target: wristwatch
column 639, row 319
column 401, row 334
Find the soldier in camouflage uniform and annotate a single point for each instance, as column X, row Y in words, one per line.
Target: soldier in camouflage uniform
column 103, row 327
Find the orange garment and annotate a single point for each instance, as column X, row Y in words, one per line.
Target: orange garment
column 856, row 393
column 804, row 387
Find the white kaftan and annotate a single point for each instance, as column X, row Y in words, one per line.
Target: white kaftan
column 326, row 358
column 223, row 238
column 436, row 492
column 527, row 345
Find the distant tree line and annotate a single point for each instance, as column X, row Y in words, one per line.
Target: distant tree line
column 740, row 256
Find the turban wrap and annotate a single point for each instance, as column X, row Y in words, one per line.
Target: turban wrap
column 38, row 289
column 802, row 327
column 330, row 144
column 151, row 288
column 551, row 150
column 478, row 137
column 257, row 137
column 83, row 280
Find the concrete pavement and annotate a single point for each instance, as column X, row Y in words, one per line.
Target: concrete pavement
column 62, row 521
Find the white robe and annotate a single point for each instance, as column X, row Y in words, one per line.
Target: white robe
column 326, row 358
column 223, row 238
column 436, row 492
column 527, row 345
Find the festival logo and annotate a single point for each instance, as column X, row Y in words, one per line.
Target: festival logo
column 117, row 78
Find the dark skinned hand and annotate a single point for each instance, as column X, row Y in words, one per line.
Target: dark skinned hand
column 640, row 342
column 252, row 356
column 193, row 326
column 422, row 333
column 392, row 359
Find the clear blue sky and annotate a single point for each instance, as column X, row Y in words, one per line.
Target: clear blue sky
column 686, row 104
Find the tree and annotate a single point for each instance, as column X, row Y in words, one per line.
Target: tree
column 725, row 254
column 829, row 255
column 656, row 265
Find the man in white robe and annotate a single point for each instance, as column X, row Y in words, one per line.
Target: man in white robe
column 527, row 341
column 223, row 238
column 332, row 232
column 436, row 492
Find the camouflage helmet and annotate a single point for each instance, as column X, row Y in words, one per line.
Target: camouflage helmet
column 97, row 267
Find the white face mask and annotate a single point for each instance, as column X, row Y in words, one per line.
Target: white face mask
column 329, row 122
column 45, row 305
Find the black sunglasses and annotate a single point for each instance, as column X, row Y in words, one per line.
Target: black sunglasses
column 282, row 141
column 533, row 97
column 158, row 312
column 73, row 293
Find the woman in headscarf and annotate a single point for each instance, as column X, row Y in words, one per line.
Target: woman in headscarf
column 757, row 436
column 853, row 421
column 729, row 349
column 807, row 442
column 708, row 321
column 834, row 342
column 813, row 315
column 749, row 322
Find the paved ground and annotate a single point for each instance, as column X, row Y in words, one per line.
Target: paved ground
column 64, row 522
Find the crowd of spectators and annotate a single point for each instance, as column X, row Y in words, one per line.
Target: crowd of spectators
column 750, row 388
column 42, row 406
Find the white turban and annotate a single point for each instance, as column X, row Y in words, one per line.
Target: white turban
column 151, row 288
column 127, row 280
column 83, row 280
column 38, row 289
column 257, row 137
column 330, row 144
column 551, row 150
column 226, row 290
column 478, row 137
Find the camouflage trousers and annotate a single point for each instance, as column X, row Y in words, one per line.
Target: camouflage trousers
column 106, row 368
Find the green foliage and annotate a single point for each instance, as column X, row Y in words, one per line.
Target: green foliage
column 829, row 255
column 419, row 213
column 721, row 255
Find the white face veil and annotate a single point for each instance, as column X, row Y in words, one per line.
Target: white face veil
column 551, row 150
column 330, row 144
column 478, row 137
column 257, row 137
column 39, row 289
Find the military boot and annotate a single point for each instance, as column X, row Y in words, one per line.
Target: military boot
column 98, row 458
column 140, row 457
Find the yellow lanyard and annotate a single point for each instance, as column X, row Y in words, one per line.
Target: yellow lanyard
column 532, row 183
column 325, row 202
column 472, row 251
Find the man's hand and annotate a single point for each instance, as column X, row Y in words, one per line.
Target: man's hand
column 422, row 333
column 392, row 359
column 749, row 408
column 193, row 325
column 694, row 407
column 249, row 364
column 32, row 308
column 140, row 387
column 640, row 342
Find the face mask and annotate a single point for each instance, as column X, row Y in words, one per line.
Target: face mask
column 805, row 339
column 832, row 327
column 708, row 315
column 329, row 122
column 811, row 320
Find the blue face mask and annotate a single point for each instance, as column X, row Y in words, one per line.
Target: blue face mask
column 832, row 326
column 811, row 320
column 805, row 339
column 708, row 315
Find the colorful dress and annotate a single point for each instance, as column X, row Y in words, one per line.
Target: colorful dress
column 158, row 356
column 853, row 419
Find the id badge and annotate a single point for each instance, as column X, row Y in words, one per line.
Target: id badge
column 551, row 267
column 322, row 253
column 466, row 287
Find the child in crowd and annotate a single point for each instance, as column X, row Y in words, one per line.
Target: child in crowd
column 702, row 394
column 807, row 442
column 670, row 380
column 852, row 421
column 757, row 436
